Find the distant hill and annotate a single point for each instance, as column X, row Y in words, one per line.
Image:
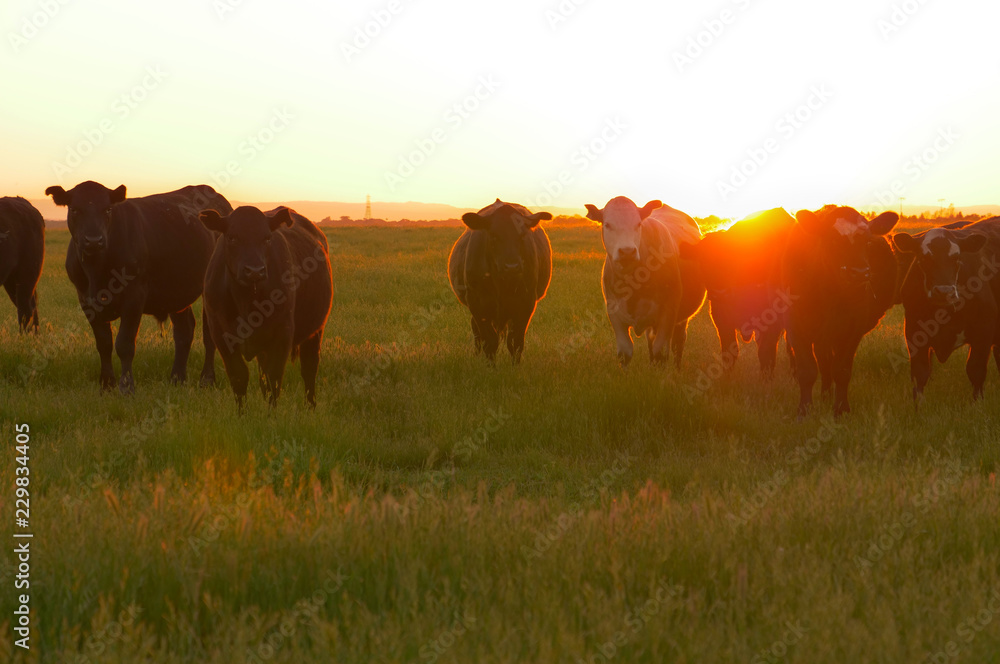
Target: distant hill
column 318, row 210
column 435, row 213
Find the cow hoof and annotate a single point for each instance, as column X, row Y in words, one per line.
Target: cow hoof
column 207, row 380
column 126, row 387
column 178, row 379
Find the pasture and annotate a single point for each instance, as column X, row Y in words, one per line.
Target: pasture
column 433, row 509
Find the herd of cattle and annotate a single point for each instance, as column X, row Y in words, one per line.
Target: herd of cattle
column 823, row 279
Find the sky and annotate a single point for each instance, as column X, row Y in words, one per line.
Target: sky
column 723, row 107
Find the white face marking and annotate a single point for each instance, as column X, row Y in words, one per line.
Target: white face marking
column 931, row 235
column 847, row 227
column 622, row 229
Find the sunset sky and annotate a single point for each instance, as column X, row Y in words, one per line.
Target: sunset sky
column 461, row 102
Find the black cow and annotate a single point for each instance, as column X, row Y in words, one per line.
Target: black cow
column 841, row 279
column 741, row 268
column 951, row 297
column 904, row 260
column 268, row 292
column 139, row 256
column 500, row 268
column 22, row 251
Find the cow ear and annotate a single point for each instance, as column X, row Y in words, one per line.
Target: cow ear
column 59, row 195
column 972, row 242
column 594, row 214
column 648, row 208
column 905, row 243
column 475, row 221
column 883, row 223
column 812, row 222
column 284, row 216
column 535, row 218
column 214, row 221
column 118, row 195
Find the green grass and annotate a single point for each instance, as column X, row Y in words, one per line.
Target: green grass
column 435, row 509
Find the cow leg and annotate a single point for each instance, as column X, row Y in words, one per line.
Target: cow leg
column 805, row 373
column 678, row 339
column 767, row 352
column 843, row 367
column 128, row 330
column 920, row 370
column 183, row 324
column 975, row 368
column 239, row 375
column 273, row 372
column 728, row 353
column 208, row 369
column 105, row 342
column 491, row 339
column 309, row 357
column 824, row 357
column 477, row 335
column 623, row 338
column 27, row 307
column 516, row 330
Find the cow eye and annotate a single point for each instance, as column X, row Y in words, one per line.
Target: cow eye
column 231, row 239
column 108, row 212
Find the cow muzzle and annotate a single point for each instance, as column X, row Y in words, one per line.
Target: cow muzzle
column 253, row 275
column 944, row 294
column 92, row 244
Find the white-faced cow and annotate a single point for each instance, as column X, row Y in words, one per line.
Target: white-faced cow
column 139, row 256
column 841, row 278
column 268, row 292
column 648, row 287
column 500, row 268
column 951, row 296
column 22, row 252
column 742, row 270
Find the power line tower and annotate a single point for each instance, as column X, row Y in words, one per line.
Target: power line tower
column 368, row 207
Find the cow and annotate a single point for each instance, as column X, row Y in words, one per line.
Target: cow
column 950, row 298
column 268, row 293
column 129, row 257
column 904, row 260
column 500, row 267
column 648, row 287
column 741, row 268
column 22, row 252
column 840, row 274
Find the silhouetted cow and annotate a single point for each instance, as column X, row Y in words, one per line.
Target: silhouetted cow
column 139, row 256
column 904, row 259
column 841, row 277
column 648, row 287
column 951, row 297
column 268, row 292
column 500, row 268
column 22, row 251
column 742, row 270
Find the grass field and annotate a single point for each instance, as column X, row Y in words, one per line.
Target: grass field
column 433, row 509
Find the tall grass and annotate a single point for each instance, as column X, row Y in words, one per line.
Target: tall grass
column 435, row 509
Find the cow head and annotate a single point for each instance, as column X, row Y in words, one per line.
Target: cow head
column 938, row 254
column 508, row 228
column 88, row 214
column 621, row 229
column 846, row 237
column 718, row 263
column 246, row 239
